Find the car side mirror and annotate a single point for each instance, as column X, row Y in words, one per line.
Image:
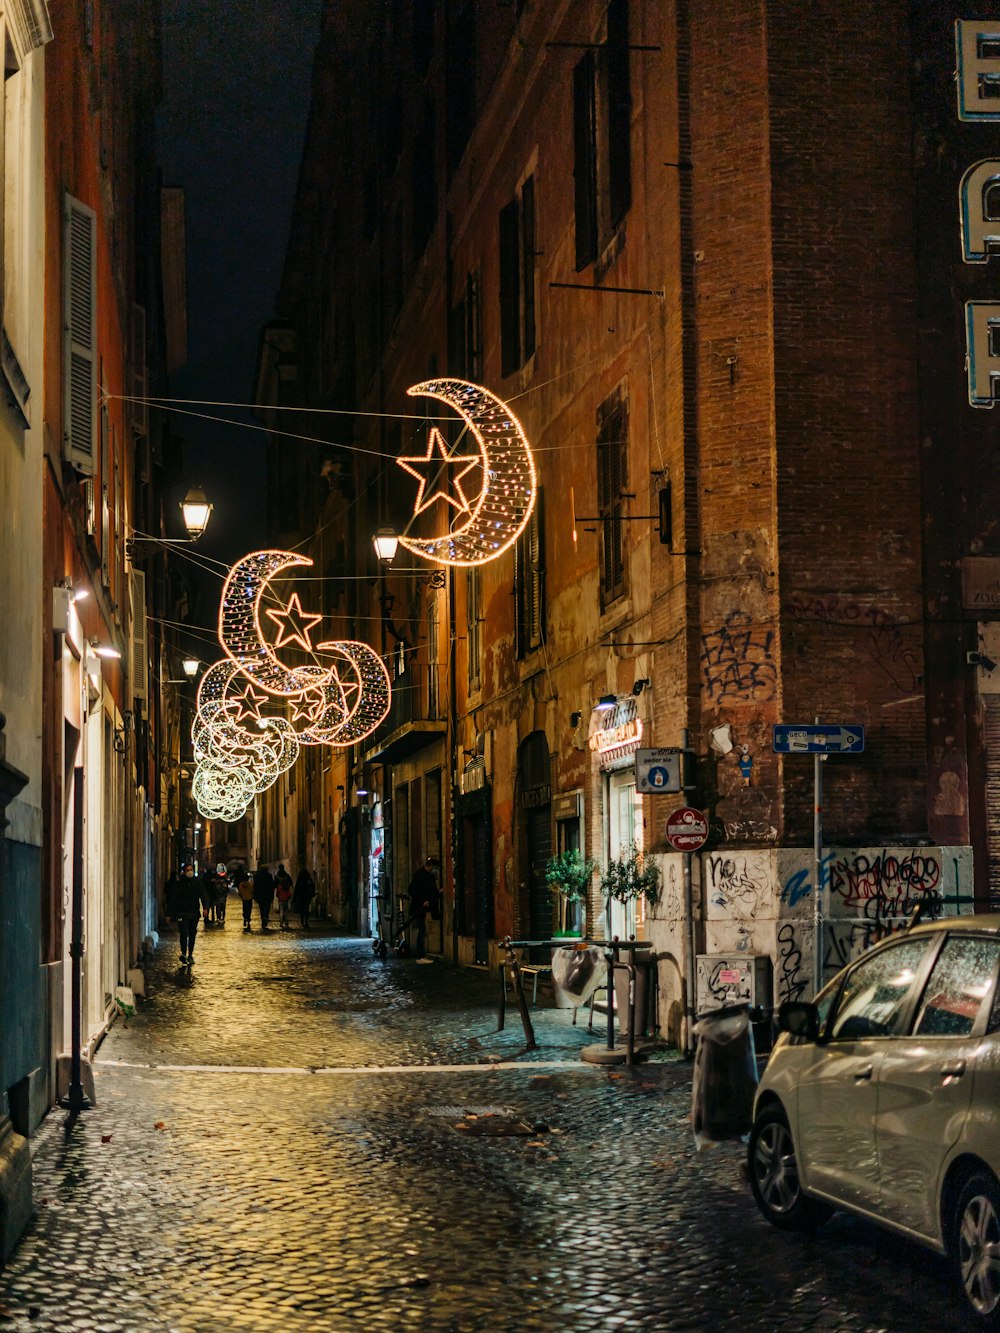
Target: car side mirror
column 799, row 1019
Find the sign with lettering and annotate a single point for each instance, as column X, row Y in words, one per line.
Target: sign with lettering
column 687, row 829
column 658, row 772
column 981, row 583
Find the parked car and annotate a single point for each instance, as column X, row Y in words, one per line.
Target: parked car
column 883, row 1097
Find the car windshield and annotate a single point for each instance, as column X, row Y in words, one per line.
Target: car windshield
column 876, row 991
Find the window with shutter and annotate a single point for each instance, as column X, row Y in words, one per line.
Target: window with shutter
column 529, row 583
column 473, row 617
column 105, row 484
column 510, row 281
column 137, row 659
column 585, row 161
column 612, row 444
column 517, row 279
column 80, row 324
column 602, row 130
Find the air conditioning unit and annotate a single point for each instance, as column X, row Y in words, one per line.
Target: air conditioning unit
column 733, row 978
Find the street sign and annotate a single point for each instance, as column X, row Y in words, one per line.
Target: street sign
column 658, row 771
column 818, row 738
column 687, row 829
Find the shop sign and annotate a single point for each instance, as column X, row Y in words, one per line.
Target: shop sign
column 474, row 776
column 532, row 798
column 567, row 805
column 616, row 727
column 981, row 583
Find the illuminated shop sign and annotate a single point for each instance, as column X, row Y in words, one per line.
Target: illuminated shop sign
column 628, row 732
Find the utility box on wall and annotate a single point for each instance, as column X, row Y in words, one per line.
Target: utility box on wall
column 726, row 979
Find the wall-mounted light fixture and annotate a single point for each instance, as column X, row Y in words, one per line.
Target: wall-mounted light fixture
column 605, row 702
column 105, row 650
column 980, row 660
column 639, row 686
column 386, row 544
column 196, row 512
column 190, row 667
column 574, row 718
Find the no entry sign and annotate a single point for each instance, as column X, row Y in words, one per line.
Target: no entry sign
column 687, row 829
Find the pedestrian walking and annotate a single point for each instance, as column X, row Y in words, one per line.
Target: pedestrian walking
column 283, row 893
column 424, row 900
column 263, row 892
column 220, row 893
column 302, row 896
column 244, row 887
column 185, row 899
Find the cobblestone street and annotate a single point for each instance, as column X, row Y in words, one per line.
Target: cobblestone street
column 290, row 1136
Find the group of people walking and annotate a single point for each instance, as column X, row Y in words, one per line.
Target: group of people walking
column 191, row 897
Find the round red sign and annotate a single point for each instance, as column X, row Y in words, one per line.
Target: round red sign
column 687, row 829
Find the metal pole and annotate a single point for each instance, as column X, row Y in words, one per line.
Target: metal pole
column 818, row 870
column 612, row 964
column 689, row 909
column 76, row 1099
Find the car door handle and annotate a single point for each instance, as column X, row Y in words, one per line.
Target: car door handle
column 953, row 1069
column 860, row 1075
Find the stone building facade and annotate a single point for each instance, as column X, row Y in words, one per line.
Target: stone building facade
column 725, row 298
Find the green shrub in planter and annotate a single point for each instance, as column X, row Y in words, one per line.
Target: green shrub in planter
column 568, row 876
column 630, row 877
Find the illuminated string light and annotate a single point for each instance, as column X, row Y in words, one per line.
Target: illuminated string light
column 507, row 481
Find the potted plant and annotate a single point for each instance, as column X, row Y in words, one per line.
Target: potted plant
column 568, row 876
column 628, row 878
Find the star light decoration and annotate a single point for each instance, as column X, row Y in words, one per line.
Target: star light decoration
column 255, row 712
column 501, row 478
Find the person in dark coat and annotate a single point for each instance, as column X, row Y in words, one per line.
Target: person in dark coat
column 263, row 892
column 186, row 898
column 424, row 899
column 302, row 896
column 244, row 887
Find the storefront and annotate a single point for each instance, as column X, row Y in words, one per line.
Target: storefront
column 615, row 734
column 474, row 860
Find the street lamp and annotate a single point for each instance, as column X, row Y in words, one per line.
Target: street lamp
column 104, row 650
column 190, row 667
column 386, row 544
column 196, row 511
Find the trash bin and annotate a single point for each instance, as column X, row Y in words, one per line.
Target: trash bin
column 725, row 1076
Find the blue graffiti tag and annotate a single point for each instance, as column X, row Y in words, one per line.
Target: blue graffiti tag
column 799, row 885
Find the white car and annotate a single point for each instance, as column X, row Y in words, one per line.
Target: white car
column 883, row 1097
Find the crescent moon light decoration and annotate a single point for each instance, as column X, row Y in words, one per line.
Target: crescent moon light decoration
column 254, row 712
column 506, row 476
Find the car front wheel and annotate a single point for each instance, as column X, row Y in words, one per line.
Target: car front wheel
column 774, row 1175
column 975, row 1247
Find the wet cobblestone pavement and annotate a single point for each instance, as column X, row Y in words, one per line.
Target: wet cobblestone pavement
column 324, row 1166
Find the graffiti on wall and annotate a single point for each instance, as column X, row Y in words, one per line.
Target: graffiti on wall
column 737, row 661
column 882, row 639
column 738, row 885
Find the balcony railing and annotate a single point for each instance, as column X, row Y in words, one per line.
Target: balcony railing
column 409, row 725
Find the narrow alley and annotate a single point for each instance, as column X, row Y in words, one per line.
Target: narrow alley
column 295, row 1135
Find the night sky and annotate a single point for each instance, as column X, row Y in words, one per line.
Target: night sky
column 230, row 132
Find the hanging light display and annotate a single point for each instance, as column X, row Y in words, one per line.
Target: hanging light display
column 254, row 711
column 501, row 477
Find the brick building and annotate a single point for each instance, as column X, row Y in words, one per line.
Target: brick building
column 710, row 255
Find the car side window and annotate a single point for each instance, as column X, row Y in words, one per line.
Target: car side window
column 960, row 983
column 875, row 993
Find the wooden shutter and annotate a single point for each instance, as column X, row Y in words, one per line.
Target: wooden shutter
column 991, row 736
column 619, row 95
column 137, row 657
column 536, row 575
column 585, row 161
column 510, row 280
column 528, row 267
column 80, row 334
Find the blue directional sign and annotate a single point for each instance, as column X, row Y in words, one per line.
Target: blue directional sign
column 818, row 738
